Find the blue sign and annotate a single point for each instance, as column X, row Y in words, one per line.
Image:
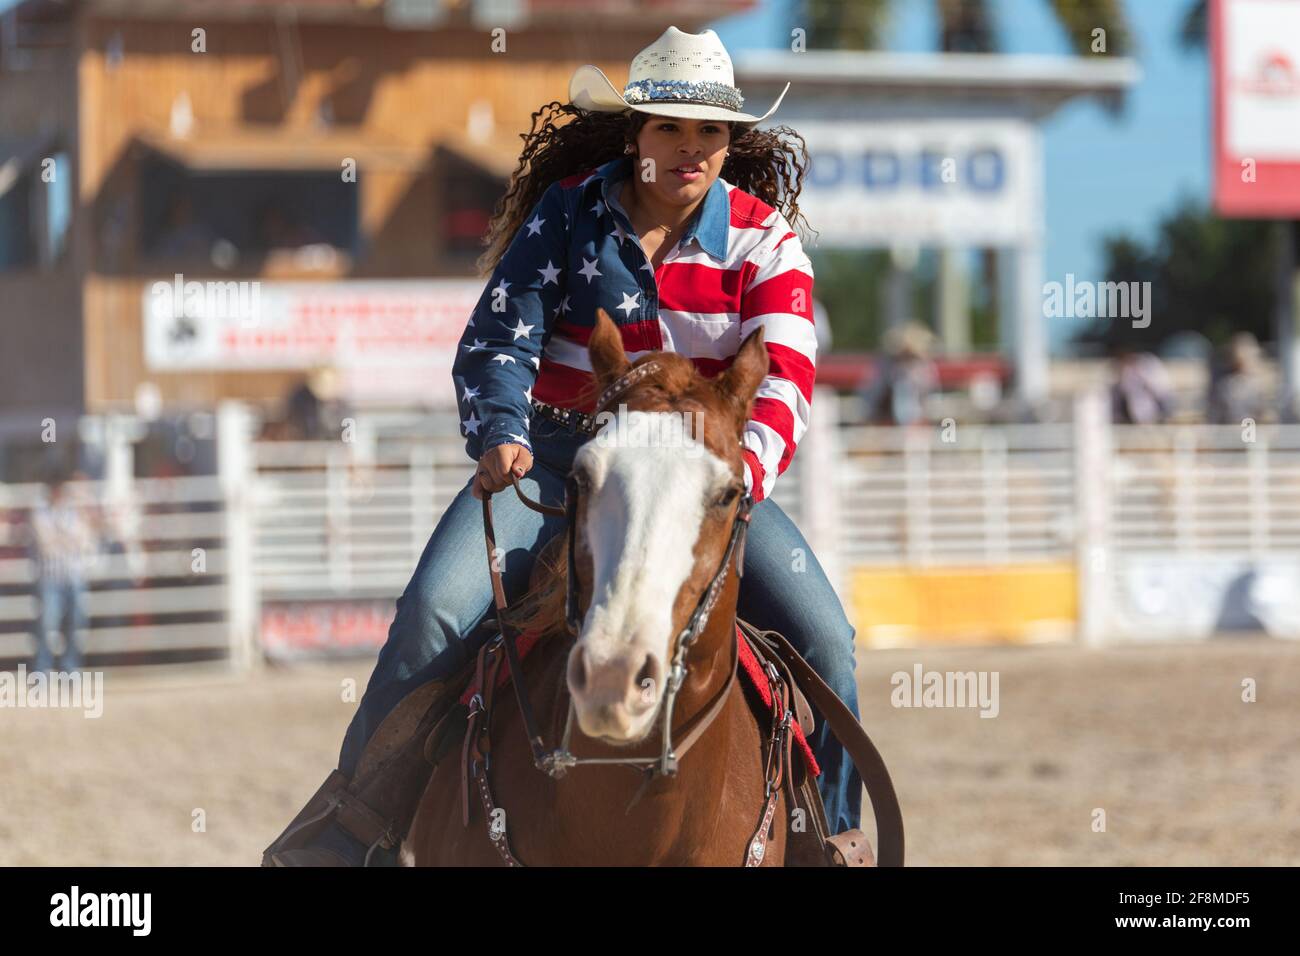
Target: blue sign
column 882, row 169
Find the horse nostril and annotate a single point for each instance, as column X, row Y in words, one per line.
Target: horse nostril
column 578, row 670
column 648, row 680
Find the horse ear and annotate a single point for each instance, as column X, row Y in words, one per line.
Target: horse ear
column 740, row 381
column 605, row 347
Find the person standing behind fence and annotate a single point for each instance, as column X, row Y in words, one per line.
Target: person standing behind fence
column 64, row 539
column 905, row 378
column 1239, row 385
column 1140, row 393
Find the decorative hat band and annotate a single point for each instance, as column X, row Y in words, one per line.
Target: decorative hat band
column 684, row 91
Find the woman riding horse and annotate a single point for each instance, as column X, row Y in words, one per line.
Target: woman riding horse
column 626, row 208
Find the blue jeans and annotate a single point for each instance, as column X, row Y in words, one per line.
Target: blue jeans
column 433, row 633
column 62, row 607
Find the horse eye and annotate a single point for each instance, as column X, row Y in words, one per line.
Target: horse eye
column 726, row 498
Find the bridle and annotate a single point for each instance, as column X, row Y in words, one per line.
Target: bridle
column 556, row 762
column 794, row 671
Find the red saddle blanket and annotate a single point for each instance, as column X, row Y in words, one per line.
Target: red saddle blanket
column 750, row 666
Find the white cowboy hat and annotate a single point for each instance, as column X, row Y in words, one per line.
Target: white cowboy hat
column 687, row 75
column 910, row 338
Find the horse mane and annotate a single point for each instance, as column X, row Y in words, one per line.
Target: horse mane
column 542, row 609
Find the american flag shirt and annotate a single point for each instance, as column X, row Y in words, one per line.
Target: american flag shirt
column 736, row 267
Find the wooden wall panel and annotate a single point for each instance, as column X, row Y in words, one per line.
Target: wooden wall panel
column 404, row 88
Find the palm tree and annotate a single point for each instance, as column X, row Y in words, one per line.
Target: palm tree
column 1195, row 29
column 965, row 25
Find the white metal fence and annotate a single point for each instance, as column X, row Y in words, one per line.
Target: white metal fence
column 348, row 519
column 351, row 518
column 1206, row 489
column 338, row 521
column 160, row 585
column 961, row 495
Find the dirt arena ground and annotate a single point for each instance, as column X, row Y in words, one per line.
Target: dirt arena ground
column 1158, row 737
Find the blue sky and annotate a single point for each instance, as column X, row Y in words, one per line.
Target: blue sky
column 1103, row 173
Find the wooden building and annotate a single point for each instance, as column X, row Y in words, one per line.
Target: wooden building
column 146, row 138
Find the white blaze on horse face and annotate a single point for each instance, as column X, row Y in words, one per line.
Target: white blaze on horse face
column 645, row 507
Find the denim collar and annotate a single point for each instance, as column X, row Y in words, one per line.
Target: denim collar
column 709, row 228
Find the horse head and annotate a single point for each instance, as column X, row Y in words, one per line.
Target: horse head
column 658, row 490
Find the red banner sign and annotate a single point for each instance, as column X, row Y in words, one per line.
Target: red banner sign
column 1255, row 52
column 324, row 628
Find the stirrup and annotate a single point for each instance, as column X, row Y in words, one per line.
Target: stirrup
column 306, row 856
column 332, row 803
column 849, row 848
column 311, row 819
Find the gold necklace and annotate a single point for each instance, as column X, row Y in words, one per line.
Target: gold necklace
column 668, row 230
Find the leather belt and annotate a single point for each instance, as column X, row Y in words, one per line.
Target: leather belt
column 579, row 421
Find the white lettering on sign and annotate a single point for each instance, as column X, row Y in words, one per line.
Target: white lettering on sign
column 390, row 340
column 923, row 181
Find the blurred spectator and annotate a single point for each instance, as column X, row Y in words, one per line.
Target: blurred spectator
column 1141, row 393
column 1239, row 388
column 64, row 538
column 277, row 228
column 315, row 410
column 821, row 327
column 905, row 378
column 183, row 236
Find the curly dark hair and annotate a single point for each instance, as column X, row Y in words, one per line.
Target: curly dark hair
column 761, row 162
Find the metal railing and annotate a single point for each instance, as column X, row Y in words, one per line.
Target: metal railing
column 159, row 583
column 339, row 520
column 1206, row 489
column 334, row 520
column 351, row 518
column 971, row 494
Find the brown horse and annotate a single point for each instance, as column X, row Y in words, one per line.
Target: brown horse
column 652, row 524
